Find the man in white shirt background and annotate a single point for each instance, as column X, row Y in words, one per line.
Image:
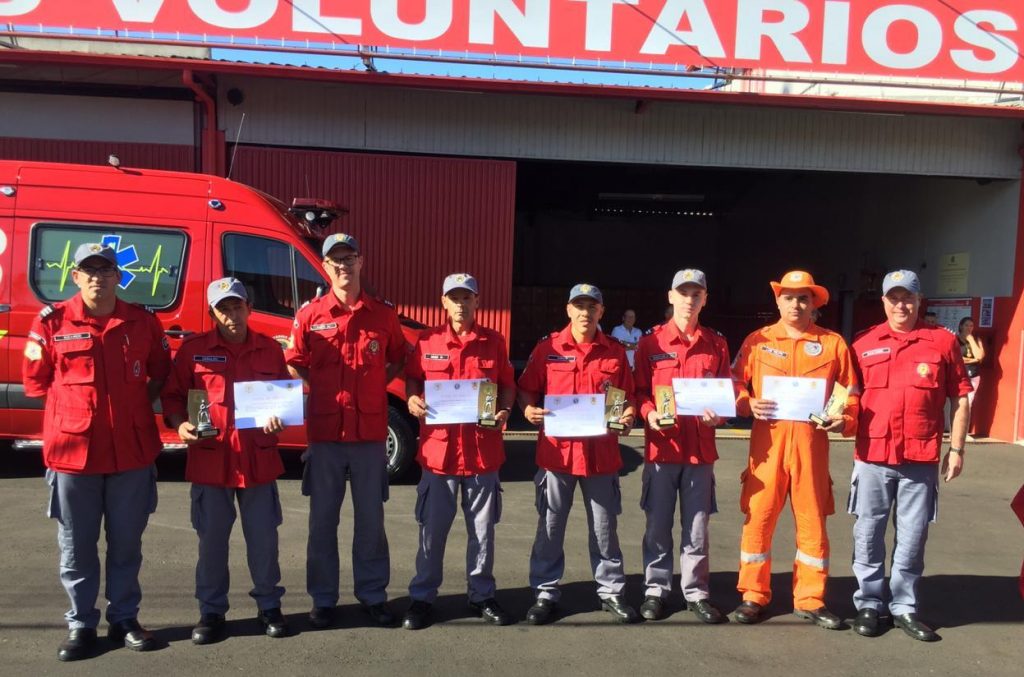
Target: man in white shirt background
column 628, row 334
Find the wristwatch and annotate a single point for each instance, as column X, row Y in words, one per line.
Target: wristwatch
column 959, row 451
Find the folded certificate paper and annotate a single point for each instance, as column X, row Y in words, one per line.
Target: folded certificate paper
column 257, row 401
column 694, row 395
column 574, row 415
column 451, row 402
column 797, row 398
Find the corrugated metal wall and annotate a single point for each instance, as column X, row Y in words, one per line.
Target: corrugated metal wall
column 142, row 155
column 352, row 117
column 417, row 218
column 97, row 118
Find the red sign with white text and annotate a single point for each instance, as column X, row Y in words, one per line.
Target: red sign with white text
column 958, row 39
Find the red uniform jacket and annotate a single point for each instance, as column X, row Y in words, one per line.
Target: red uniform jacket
column 346, row 352
column 235, row 458
column 93, row 372
column 560, row 366
column 665, row 354
column 907, row 378
column 440, row 354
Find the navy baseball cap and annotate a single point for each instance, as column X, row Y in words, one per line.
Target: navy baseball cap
column 225, row 288
column 460, row 281
column 689, row 276
column 91, row 249
column 338, row 239
column 907, row 279
column 586, row 290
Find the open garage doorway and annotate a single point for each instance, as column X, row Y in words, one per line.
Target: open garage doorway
column 628, row 228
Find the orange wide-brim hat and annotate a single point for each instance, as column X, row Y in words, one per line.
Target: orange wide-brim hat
column 799, row 279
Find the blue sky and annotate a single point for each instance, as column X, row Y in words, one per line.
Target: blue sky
column 496, row 72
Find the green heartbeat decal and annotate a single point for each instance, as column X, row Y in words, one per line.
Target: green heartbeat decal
column 66, row 265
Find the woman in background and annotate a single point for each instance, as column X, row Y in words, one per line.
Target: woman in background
column 973, row 352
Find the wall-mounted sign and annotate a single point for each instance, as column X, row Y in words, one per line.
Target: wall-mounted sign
column 988, row 306
column 953, row 273
column 950, row 311
column 973, row 40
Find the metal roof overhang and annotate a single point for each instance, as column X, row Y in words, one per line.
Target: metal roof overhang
column 467, row 84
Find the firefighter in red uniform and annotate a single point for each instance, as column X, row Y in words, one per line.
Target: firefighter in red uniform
column 680, row 457
column 99, row 363
column 231, row 464
column 458, row 459
column 346, row 346
column 909, row 371
column 579, row 360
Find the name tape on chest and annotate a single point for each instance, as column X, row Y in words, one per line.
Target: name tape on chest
column 327, row 326
column 216, row 359
column 775, row 351
column 662, row 357
column 561, row 358
column 434, row 356
column 876, row 351
column 72, row 337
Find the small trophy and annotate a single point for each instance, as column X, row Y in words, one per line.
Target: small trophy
column 665, row 401
column 487, row 405
column 199, row 414
column 835, row 406
column 614, row 405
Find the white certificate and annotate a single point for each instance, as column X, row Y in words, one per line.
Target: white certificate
column 451, row 402
column 694, row 395
column 574, row 415
column 797, row 398
column 257, row 401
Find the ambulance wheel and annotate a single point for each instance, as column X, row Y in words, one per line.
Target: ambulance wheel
column 401, row 444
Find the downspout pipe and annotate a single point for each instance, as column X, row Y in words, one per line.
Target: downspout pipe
column 210, row 138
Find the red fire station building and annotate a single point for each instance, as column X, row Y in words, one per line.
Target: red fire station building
column 533, row 186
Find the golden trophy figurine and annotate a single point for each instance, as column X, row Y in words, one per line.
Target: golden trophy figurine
column 614, row 405
column 665, row 400
column 834, row 408
column 487, row 406
column 199, row 414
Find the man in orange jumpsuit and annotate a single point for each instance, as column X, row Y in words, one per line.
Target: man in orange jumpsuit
column 790, row 456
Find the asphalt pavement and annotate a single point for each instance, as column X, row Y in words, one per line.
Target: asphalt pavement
column 969, row 592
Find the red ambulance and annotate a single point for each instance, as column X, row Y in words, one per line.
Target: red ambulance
column 173, row 233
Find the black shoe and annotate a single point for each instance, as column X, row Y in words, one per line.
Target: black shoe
column 209, row 629
column 870, row 623
column 749, row 613
column 821, row 617
column 418, row 615
column 620, row 611
column 491, row 611
column 653, row 608
column 134, row 636
column 273, row 622
column 915, row 628
column 542, row 612
column 381, row 614
column 79, row 644
column 706, row 612
column 321, row 617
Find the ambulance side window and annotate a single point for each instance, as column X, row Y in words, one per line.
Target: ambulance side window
column 277, row 276
column 265, row 268
column 150, row 261
column 309, row 281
